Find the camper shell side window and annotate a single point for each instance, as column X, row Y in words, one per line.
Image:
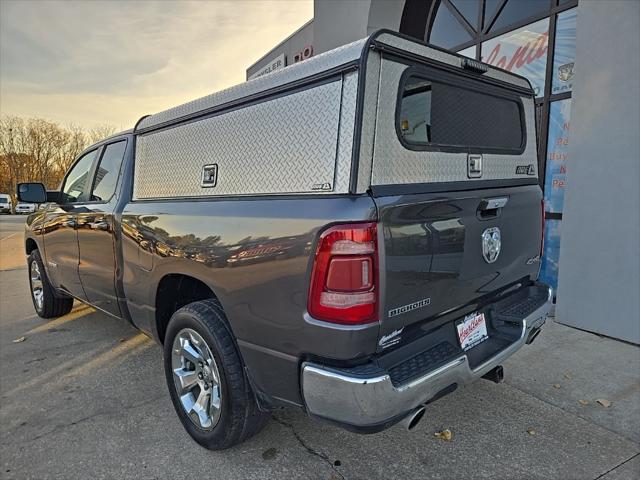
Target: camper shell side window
column 438, row 111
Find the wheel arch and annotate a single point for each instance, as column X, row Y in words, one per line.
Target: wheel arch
column 30, row 245
column 174, row 291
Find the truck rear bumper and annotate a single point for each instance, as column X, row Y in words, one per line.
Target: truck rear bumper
column 368, row 399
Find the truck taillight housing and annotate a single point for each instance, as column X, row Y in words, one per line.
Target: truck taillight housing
column 344, row 279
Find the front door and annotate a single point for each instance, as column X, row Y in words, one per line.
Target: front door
column 96, row 237
column 60, row 235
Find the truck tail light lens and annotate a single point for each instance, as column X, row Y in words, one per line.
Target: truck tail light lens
column 345, row 275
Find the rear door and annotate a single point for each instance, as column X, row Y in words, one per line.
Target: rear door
column 454, row 178
column 95, row 224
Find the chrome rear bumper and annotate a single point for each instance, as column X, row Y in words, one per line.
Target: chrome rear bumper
column 370, row 401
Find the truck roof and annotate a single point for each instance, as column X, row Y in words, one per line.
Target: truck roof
column 347, row 56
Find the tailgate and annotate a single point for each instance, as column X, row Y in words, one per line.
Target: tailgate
column 453, row 170
column 432, row 260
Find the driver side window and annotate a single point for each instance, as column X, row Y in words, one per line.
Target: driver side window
column 73, row 189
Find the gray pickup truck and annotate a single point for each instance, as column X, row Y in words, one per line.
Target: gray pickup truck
column 355, row 235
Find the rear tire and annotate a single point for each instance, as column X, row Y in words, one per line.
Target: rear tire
column 46, row 301
column 203, row 368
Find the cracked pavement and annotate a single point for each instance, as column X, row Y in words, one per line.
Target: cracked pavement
column 84, row 396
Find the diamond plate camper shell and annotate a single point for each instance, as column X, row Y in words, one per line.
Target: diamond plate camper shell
column 322, row 126
column 290, row 132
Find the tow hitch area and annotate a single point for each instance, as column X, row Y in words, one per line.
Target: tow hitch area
column 496, row 375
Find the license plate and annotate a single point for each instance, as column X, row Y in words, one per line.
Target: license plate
column 472, row 330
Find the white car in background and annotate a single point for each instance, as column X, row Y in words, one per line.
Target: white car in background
column 25, row 208
column 5, row 203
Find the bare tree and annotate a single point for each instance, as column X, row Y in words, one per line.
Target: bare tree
column 77, row 141
column 39, row 150
column 12, row 163
column 100, row 132
column 43, row 142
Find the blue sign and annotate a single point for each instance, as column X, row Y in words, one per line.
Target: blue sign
column 558, row 142
column 557, row 155
column 551, row 256
column 564, row 54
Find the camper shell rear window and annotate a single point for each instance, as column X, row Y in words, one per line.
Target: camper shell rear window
column 440, row 111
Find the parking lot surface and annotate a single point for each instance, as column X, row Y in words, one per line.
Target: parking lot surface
column 84, row 396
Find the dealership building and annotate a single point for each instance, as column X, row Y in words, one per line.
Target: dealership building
column 582, row 59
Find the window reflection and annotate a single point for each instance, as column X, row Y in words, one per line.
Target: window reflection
column 447, row 32
column 518, row 10
column 104, row 185
column 522, row 51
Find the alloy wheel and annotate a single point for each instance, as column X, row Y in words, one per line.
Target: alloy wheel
column 196, row 378
column 36, row 285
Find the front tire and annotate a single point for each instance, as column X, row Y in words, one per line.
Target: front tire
column 47, row 303
column 209, row 389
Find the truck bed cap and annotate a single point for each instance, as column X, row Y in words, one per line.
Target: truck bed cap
column 351, row 55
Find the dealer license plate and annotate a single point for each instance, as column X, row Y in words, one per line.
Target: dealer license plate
column 472, row 330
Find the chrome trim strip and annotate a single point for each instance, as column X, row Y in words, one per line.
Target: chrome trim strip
column 454, row 364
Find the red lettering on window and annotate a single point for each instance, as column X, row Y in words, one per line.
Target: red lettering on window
column 524, row 54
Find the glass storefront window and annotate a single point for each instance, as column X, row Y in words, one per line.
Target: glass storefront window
column 564, row 53
column 490, row 8
column 557, row 152
column 518, row 10
column 469, row 52
column 522, row 51
column 469, row 10
column 447, row 32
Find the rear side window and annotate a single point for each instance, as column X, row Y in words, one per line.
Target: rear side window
column 76, row 180
column 104, row 185
column 438, row 114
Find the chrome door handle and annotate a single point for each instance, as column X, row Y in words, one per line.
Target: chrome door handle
column 99, row 226
column 69, row 223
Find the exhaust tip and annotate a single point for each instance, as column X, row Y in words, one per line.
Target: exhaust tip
column 533, row 335
column 411, row 421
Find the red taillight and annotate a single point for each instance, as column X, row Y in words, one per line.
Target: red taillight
column 542, row 231
column 345, row 275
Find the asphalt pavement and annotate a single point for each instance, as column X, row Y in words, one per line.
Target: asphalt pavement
column 84, row 396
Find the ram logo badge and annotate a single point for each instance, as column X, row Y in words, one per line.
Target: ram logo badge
column 491, row 244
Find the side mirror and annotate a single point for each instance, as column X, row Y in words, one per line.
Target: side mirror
column 32, row 193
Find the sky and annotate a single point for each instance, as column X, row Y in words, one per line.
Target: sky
column 96, row 62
